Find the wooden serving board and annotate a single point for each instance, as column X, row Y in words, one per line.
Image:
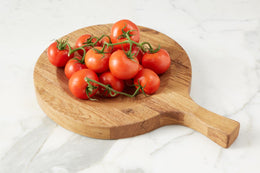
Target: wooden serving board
column 122, row 117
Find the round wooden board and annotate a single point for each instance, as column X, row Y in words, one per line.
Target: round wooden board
column 112, row 117
column 120, row 117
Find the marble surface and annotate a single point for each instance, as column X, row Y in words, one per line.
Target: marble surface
column 222, row 38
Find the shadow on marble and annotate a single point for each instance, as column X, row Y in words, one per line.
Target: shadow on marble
column 76, row 153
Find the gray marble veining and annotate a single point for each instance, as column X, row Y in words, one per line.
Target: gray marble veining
column 222, row 39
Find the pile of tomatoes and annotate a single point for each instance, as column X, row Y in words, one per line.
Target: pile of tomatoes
column 109, row 64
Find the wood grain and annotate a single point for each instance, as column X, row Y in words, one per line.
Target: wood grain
column 122, row 117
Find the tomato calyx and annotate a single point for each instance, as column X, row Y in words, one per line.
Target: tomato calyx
column 61, row 45
column 140, row 87
column 90, row 88
column 131, row 55
column 90, row 39
column 110, row 90
column 125, row 34
column 79, row 60
column 150, row 48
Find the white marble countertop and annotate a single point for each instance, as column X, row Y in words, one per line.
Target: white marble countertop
column 222, row 38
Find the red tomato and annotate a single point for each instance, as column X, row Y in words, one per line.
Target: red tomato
column 138, row 53
column 108, row 79
column 116, row 33
column 72, row 66
column 147, row 79
column 96, row 61
column 81, row 40
column 78, row 86
column 105, row 40
column 58, row 57
column 159, row 62
column 121, row 66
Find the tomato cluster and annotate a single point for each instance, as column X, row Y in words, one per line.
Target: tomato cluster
column 110, row 63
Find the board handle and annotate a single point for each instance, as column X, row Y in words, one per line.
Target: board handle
column 219, row 129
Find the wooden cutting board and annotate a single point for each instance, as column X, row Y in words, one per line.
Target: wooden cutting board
column 123, row 117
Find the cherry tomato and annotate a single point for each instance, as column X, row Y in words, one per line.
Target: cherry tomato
column 58, row 54
column 147, row 79
column 116, row 33
column 106, row 40
column 138, row 53
column 81, row 40
column 159, row 62
column 108, row 79
column 79, row 87
column 96, row 61
column 121, row 66
column 72, row 66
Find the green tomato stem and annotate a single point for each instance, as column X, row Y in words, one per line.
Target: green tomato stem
column 125, row 35
column 111, row 89
column 61, row 45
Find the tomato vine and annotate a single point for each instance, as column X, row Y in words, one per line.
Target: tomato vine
column 94, row 41
column 89, row 43
column 109, row 89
